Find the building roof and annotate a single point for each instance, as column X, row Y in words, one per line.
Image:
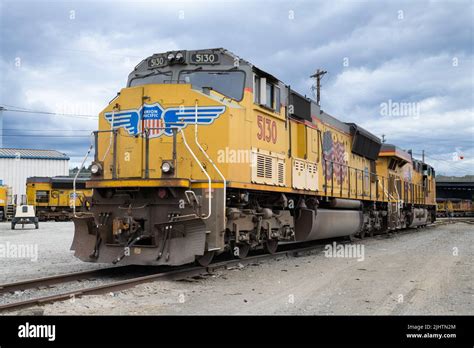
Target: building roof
column 32, row 154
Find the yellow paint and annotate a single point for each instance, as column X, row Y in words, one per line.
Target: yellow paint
column 137, row 183
column 3, row 196
column 229, row 140
column 55, row 197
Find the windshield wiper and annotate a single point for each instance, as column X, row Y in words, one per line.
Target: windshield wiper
column 154, row 72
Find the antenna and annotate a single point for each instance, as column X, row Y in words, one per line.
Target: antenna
column 318, row 76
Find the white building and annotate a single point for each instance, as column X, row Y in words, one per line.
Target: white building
column 18, row 164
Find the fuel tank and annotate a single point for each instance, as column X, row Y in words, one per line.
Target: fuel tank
column 327, row 223
column 420, row 217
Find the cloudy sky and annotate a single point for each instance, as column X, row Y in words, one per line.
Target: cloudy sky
column 400, row 69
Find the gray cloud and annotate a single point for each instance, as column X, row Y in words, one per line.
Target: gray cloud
column 75, row 56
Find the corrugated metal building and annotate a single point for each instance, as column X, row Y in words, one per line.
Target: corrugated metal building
column 18, row 164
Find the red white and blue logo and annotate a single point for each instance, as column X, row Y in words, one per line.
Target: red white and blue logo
column 159, row 121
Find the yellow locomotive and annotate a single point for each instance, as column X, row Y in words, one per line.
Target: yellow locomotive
column 454, row 207
column 3, row 202
column 54, row 197
column 203, row 153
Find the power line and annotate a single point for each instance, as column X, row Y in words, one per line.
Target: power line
column 16, row 107
column 47, row 130
column 24, row 110
column 451, row 164
column 108, row 53
column 52, row 113
column 45, row 136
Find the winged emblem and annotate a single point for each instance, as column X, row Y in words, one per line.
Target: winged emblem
column 161, row 121
column 128, row 119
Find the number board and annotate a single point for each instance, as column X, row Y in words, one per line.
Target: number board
column 204, row 58
column 157, row 61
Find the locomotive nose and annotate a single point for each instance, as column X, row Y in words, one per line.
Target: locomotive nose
column 146, row 127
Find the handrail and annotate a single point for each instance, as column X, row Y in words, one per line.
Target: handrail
column 207, row 156
column 190, row 151
column 77, row 175
column 331, row 168
column 205, row 173
column 111, row 135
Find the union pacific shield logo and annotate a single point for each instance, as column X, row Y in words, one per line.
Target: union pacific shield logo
column 159, row 121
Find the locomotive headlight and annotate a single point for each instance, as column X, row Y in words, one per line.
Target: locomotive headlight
column 179, row 57
column 166, row 167
column 170, row 57
column 96, row 168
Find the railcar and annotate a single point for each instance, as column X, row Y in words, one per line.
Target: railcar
column 203, row 153
column 54, row 198
column 454, row 207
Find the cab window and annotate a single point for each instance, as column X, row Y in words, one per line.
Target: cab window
column 42, row 196
column 266, row 94
column 154, row 77
column 228, row 83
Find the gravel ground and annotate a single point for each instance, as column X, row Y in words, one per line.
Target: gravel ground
column 424, row 271
column 51, row 241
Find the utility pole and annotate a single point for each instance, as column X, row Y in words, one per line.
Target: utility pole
column 423, row 156
column 318, row 76
column 1, row 125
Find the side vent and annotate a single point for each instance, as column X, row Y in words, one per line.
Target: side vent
column 281, row 172
column 268, row 168
column 260, row 166
column 305, row 175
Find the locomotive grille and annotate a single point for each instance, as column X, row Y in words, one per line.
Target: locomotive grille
column 268, row 167
column 260, row 166
column 281, row 172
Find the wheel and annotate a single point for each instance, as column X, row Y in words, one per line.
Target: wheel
column 270, row 246
column 240, row 250
column 205, row 259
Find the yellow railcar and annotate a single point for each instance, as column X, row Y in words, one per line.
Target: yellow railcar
column 203, row 152
column 53, row 197
column 3, row 201
column 454, row 207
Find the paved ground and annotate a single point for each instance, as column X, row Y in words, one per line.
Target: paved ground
column 424, row 271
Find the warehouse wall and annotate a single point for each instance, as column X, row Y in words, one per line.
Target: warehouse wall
column 14, row 171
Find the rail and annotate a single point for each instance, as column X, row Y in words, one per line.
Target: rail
column 178, row 273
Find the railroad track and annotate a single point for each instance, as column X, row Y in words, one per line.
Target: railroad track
column 154, row 274
column 173, row 274
column 444, row 221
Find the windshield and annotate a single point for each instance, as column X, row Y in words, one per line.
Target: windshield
column 228, row 83
column 151, row 78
